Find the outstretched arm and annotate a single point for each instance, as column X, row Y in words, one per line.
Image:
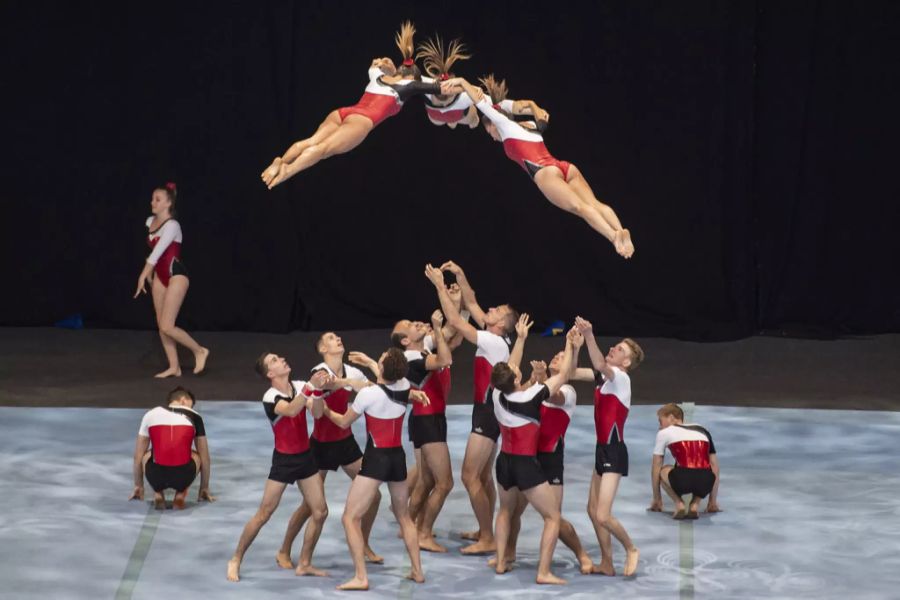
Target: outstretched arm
column 565, row 368
column 363, row 360
column 468, row 294
column 450, row 312
column 597, row 359
column 442, row 358
column 522, row 327
column 341, row 420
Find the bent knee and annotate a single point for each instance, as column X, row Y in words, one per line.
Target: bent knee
column 319, row 514
column 443, row 487
column 167, row 328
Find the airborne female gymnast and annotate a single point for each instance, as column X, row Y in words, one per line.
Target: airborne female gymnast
column 561, row 182
column 345, row 128
column 451, row 109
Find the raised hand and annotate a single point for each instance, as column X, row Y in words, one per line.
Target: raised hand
column 455, row 293
column 539, row 371
column 436, row 276
column 319, row 379
column 437, row 319
column 584, row 326
column 575, row 338
column 523, row 325
column 453, row 268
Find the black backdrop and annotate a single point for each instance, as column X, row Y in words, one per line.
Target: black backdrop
column 749, row 146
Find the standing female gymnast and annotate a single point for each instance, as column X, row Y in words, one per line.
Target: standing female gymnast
column 450, row 109
column 561, row 182
column 345, row 128
column 170, row 283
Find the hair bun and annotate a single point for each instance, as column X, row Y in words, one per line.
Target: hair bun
column 171, row 186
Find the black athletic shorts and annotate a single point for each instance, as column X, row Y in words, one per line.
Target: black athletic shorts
column 484, row 421
column 288, row 468
column 384, row 464
column 611, row 458
column 519, row 471
column 331, row 455
column 552, row 464
column 177, row 478
column 427, row 429
column 178, row 268
column 698, row 482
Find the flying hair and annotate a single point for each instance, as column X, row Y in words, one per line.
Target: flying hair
column 497, row 90
column 404, row 41
column 437, row 61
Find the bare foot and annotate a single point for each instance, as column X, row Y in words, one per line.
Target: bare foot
column 604, row 568
column 271, row 171
column 510, row 558
column 373, row 558
column 480, row 548
column 310, row 571
column 470, row 535
column 355, row 584
column 631, row 562
column 234, row 570
column 692, row 515
column 417, row 576
column 550, row 579
column 679, row 514
column 200, row 359
column 168, row 373
column 280, row 177
column 159, row 501
column 618, row 244
column 627, row 244
column 284, row 560
column 586, row 564
column 178, row 502
column 428, row 544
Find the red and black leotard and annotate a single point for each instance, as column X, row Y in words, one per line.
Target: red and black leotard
column 291, row 434
column 436, row 383
column 523, row 146
column 165, row 245
column 382, row 100
column 450, row 113
column 612, row 401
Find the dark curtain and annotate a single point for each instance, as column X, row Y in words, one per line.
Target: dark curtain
column 745, row 145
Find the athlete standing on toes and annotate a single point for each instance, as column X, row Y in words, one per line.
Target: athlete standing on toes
column 493, row 346
column 384, row 406
column 612, row 401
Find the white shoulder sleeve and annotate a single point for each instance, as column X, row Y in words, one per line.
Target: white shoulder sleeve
column 170, row 231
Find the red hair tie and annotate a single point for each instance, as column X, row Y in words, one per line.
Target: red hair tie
column 170, row 186
column 444, row 76
column 496, row 107
column 407, row 62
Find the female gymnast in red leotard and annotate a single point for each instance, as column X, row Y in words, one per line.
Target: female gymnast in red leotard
column 345, row 128
column 169, row 280
column 561, row 182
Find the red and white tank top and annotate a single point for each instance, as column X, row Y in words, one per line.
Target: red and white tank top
column 519, row 416
column 491, row 349
column 435, row 383
column 384, row 406
column 555, row 420
column 172, row 431
column 291, row 433
column 337, row 400
column 612, row 401
column 690, row 445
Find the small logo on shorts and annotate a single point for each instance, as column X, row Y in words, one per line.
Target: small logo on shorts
column 555, row 480
column 607, row 464
column 478, row 430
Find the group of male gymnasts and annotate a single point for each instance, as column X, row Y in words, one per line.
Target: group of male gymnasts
column 529, row 418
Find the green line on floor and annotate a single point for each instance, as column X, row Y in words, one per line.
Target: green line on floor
column 138, row 554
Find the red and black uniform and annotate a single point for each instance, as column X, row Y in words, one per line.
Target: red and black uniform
column 427, row 424
column 172, row 431
column 690, row 446
column 332, row 446
column 491, row 349
column 165, row 250
column 612, row 401
column 449, row 113
column 524, row 147
column 292, row 459
column 382, row 100
column 384, row 406
column 555, row 421
column 519, row 416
